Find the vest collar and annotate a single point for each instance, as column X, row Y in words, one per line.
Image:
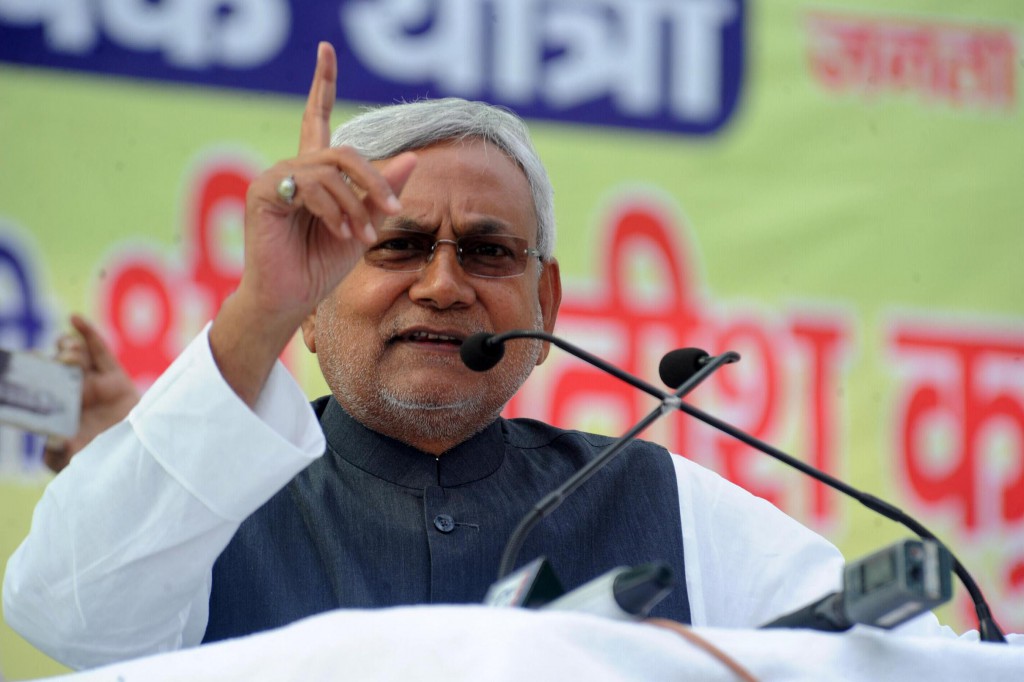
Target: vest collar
column 404, row 465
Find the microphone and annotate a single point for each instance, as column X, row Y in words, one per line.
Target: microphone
column 679, row 365
column 530, row 587
column 622, row 593
column 883, row 590
column 483, row 350
column 987, row 627
column 480, row 352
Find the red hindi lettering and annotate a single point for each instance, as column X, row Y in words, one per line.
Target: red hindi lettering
column 960, row 402
column 217, row 204
column 749, row 394
column 844, row 53
column 138, row 308
column 632, row 320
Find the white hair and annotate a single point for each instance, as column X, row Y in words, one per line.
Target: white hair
column 387, row 131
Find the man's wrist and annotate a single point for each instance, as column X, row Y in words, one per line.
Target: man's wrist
column 245, row 343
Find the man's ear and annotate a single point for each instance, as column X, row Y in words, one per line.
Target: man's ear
column 549, row 292
column 309, row 331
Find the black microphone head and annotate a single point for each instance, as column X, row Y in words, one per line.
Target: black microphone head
column 679, row 365
column 480, row 351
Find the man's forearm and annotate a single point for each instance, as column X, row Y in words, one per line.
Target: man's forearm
column 118, row 560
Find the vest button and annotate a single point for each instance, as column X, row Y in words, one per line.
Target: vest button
column 444, row 523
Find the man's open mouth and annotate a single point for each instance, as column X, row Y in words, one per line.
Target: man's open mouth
column 430, row 337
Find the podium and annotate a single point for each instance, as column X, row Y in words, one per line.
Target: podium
column 462, row 643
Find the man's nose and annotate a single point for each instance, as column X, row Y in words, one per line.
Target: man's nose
column 443, row 283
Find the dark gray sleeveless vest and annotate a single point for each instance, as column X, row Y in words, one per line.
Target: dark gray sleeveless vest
column 377, row 523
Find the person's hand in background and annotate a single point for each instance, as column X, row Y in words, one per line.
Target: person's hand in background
column 108, row 393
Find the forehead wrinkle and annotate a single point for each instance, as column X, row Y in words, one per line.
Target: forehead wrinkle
column 401, row 222
column 468, row 187
column 486, row 226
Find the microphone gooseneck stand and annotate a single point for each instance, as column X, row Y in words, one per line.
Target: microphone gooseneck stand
column 482, row 351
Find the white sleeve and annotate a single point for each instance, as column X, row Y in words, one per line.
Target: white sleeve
column 746, row 562
column 118, row 560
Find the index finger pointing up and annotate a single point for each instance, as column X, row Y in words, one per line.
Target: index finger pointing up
column 316, row 119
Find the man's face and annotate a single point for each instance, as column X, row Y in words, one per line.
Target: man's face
column 388, row 342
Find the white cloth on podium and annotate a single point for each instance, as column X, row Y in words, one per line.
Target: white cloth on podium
column 455, row 643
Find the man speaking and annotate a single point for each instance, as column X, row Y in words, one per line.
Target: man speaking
column 222, row 505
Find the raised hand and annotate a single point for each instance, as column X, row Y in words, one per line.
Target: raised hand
column 300, row 245
column 108, row 393
column 300, row 250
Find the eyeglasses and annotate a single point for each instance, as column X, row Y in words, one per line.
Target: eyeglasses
column 480, row 255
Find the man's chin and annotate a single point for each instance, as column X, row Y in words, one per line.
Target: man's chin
column 413, row 404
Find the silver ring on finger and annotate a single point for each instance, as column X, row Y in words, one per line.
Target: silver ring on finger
column 286, row 189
